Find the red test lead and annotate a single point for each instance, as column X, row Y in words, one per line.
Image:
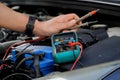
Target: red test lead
column 87, row 15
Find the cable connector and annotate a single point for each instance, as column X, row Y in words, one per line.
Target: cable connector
column 71, row 44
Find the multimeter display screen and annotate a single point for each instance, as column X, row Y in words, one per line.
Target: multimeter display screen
column 61, row 42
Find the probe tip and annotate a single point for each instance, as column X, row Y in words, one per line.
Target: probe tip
column 97, row 10
column 94, row 12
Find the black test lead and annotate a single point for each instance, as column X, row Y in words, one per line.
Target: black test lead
column 83, row 24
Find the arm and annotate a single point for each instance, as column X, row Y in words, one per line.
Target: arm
column 12, row 20
column 16, row 21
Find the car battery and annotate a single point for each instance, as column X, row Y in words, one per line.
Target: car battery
column 45, row 64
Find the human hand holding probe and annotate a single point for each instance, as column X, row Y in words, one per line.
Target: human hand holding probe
column 18, row 22
column 83, row 18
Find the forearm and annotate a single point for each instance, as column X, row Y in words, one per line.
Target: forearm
column 11, row 19
column 16, row 21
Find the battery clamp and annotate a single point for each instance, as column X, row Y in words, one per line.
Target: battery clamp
column 65, row 47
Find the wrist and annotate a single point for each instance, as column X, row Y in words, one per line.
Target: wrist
column 37, row 28
column 30, row 26
column 40, row 29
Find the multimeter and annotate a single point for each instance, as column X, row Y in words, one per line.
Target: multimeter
column 61, row 50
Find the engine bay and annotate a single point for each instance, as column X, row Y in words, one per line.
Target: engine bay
column 30, row 58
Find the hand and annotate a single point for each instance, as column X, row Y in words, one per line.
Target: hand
column 55, row 25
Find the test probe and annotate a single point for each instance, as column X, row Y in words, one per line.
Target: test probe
column 83, row 24
column 87, row 15
column 83, row 18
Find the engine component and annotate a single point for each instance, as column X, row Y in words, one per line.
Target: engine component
column 34, row 58
column 89, row 37
column 3, row 35
column 5, row 45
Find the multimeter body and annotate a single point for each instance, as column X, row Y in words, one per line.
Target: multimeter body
column 62, row 52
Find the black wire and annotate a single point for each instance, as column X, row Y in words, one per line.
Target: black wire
column 25, row 48
column 4, row 35
column 31, row 64
column 74, row 52
column 24, row 59
column 21, row 52
column 15, row 74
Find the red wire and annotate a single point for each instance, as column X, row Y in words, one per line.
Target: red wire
column 81, row 51
column 19, row 43
column 3, row 65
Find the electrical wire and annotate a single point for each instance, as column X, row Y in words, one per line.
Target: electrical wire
column 79, row 56
column 3, row 35
column 20, row 53
column 3, row 65
column 19, row 43
column 24, row 48
column 24, row 59
column 79, row 63
column 74, row 53
column 17, row 74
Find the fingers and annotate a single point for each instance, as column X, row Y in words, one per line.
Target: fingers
column 70, row 21
column 66, row 25
column 66, row 17
column 60, row 23
column 71, row 16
